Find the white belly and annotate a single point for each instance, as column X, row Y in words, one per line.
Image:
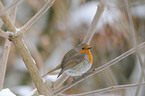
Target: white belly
column 79, row 69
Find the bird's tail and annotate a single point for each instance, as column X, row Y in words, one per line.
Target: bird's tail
column 60, row 73
column 58, row 67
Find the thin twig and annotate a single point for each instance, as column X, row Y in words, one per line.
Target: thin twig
column 132, row 30
column 13, row 12
column 101, row 68
column 108, row 89
column 94, row 23
column 37, row 16
column 13, row 4
column 7, row 21
column 60, row 81
column 4, row 60
column 6, row 51
column 28, row 60
column 3, row 34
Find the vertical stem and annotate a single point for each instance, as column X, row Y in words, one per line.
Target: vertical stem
column 7, row 21
column 13, row 4
column 94, row 23
column 28, row 60
column 30, row 64
column 4, row 62
column 37, row 15
column 132, row 30
column 6, row 53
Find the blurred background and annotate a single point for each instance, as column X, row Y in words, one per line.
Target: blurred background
column 64, row 26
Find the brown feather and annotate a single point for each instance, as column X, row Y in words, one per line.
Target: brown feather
column 71, row 59
column 58, row 67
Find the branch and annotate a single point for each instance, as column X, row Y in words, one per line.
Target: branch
column 108, row 89
column 30, row 64
column 138, row 55
column 37, row 16
column 55, row 85
column 28, row 60
column 7, row 21
column 13, row 4
column 3, row 63
column 94, row 23
column 3, row 34
column 5, row 52
column 101, row 68
column 61, row 80
column 13, row 12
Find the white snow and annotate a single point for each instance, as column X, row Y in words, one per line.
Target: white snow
column 138, row 11
column 6, row 92
column 86, row 12
column 22, row 90
column 52, row 78
column 31, row 93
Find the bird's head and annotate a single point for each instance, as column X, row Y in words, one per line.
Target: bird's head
column 84, row 48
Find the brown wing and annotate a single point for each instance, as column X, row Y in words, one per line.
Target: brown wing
column 71, row 59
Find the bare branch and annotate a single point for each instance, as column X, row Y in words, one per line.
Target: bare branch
column 37, row 16
column 35, row 53
column 3, row 34
column 61, row 80
column 30, row 64
column 4, row 62
column 13, row 4
column 7, row 21
column 6, row 52
column 13, row 12
column 28, row 60
column 101, row 68
column 94, row 23
column 108, row 89
column 134, row 43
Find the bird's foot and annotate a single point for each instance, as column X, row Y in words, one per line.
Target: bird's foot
column 94, row 70
column 84, row 75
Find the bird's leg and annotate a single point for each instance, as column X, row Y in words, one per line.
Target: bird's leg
column 94, row 70
column 74, row 79
column 84, row 75
column 53, row 85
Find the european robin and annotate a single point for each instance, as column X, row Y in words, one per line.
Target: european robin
column 76, row 62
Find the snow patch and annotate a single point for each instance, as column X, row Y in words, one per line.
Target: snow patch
column 6, row 92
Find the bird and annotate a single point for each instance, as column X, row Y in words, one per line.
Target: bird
column 75, row 62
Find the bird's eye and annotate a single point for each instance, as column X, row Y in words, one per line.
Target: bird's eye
column 83, row 48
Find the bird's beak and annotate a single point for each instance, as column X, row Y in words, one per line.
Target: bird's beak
column 89, row 47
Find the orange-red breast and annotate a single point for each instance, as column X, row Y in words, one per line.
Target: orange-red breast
column 76, row 62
